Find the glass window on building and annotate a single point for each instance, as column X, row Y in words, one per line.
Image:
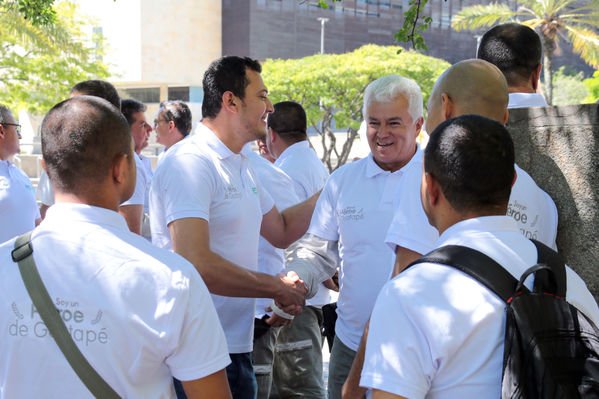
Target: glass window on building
column 145, row 94
column 178, row 93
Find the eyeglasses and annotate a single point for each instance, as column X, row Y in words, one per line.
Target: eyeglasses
column 17, row 126
column 157, row 121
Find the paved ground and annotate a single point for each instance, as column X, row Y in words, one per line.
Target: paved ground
column 325, row 363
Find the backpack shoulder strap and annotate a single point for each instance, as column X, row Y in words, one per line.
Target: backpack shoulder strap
column 475, row 264
column 552, row 259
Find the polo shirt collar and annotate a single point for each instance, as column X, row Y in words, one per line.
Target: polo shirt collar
column 372, row 169
column 293, row 148
column 483, row 224
column 525, row 100
column 5, row 164
column 64, row 212
column 9, row 167
column 206, row 135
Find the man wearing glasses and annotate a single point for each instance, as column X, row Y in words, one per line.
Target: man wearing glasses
column 172, row 124
column 18, row 207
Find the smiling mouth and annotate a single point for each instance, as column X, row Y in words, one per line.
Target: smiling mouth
column 384, row 144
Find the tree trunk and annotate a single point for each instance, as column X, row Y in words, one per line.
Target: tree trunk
column 549, row 48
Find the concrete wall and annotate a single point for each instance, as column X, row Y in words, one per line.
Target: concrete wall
column 179, row 39
column 559, row 147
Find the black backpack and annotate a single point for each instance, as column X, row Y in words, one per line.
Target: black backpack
column 551, row 348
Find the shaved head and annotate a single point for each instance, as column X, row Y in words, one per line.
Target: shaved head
column 468, row 87
column 81, row 138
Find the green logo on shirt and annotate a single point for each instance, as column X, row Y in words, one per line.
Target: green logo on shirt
column 255, row 190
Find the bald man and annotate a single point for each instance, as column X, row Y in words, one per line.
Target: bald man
column 468, row 87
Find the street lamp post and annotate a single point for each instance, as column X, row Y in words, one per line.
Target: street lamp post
column 322, row 22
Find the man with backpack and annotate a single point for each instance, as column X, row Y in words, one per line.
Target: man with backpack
column 435, row 331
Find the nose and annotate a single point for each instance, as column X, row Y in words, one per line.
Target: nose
column 383, row 130
column 269, row 107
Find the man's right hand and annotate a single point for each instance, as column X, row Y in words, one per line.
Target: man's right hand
column 292, row 295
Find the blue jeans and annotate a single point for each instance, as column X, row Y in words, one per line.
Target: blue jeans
column 340, row 364
column 240, row 374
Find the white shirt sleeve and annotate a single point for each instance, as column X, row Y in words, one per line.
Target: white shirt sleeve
column 266, row 200
column 397, row 358
column 141, row 182
column 410, row 228
column 187, row 192
column 324, row 219
column 202, row 348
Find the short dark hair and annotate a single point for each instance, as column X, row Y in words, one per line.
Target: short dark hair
column 81, row 138
column 98, row 88
column 225, row 74
column 472, row 158
column 288, row 120
column 178, row 112
column 514, row 48
column 130, row 107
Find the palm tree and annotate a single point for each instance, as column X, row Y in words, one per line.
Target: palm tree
column 553, row 19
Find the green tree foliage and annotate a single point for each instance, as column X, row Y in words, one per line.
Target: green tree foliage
column 414, row 23
column 573, row 20
column 331, row 86
column 40, row 62
column 568, row 87
column 593, row 85
column 38, row 12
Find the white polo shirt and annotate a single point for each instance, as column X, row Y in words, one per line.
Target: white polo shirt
column 139, row 314
column 435, row 332
column 271, row 260
column 201, row 178
column 18, row 207
column 531, row 207
column 309, row 176
column 526, row 100
column 147, row 165
column 141, row 183
column 44, row 191
column 301, row 163
column 355, row 208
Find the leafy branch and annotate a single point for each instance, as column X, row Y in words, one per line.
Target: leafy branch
column 414, row 23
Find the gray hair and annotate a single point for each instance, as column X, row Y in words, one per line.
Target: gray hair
column 387, row 88
column 4, row 113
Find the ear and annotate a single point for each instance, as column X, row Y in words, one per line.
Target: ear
column 515, row 177
column 120, row 168
column 506, row 116
column 231, row 102
column 273, row 135
column 44, row 165
column 419, row 124
column 535, row 76
column 447, row 106
column 433, row 190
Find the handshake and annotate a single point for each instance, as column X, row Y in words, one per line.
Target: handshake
column 289, row 301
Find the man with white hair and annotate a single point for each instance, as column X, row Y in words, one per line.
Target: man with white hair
column 353, row 214
column 468, row 87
